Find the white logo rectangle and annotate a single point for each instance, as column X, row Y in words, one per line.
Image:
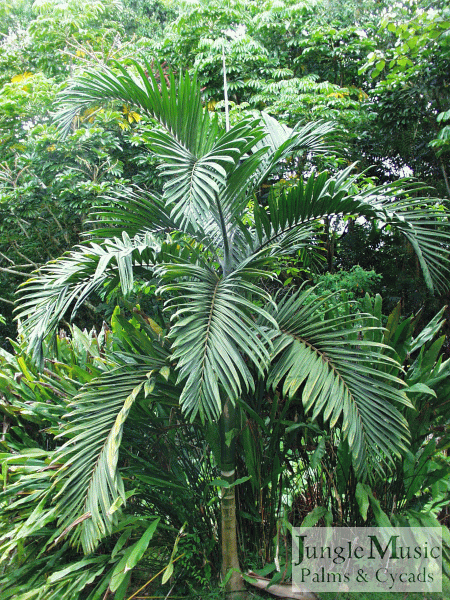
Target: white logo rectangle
column 370, row 559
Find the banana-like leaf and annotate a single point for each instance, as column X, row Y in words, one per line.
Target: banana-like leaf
column 213, row 331
column 339, row 375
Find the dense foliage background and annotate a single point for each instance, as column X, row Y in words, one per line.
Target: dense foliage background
column 381, row 73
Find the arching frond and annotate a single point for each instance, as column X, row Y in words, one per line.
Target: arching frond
column 279, row 142
column 66, row 283
column 177, row 107
column 132, row 210
column 138, row 213
column 339, row 375
column 197, row 156
column 88, row 486
column 195, row 182
column 423, row 221
column 283, row 141
column 213, row 330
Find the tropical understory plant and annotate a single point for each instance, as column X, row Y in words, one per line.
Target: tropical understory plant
column 210, row 245
column 290, row 467
column 165, row 458
column 318, row 482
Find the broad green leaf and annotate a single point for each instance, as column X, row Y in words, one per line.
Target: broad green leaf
column 314, row 516
column 132, row 556
column 362, row 497
column 421, row 388
column 318, row 454
column 167, row 573
column 141, row 546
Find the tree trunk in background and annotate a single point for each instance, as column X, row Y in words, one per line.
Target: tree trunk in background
column 235, row 585
column 444, row 173
column 329, row 243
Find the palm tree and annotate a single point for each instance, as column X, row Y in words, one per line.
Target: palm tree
column 208, row 247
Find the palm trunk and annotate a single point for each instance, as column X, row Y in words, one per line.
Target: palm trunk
column 230, row 561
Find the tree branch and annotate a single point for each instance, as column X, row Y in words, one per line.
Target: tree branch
column 6, row 258
column 24, row 257
column 6, row 270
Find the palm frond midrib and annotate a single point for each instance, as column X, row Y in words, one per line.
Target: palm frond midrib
column 321, row 354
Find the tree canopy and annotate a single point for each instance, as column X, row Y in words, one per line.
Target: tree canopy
column 377, row 71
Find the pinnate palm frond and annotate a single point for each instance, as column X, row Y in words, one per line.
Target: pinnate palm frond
column 339, row 375
column 278, row 143
column 178, row 108
column 424, row 221
column 66, row 283
column 213, row 331
column 139, row 213
column 133, row 210
column 197, row 155
column 196, row 181
column 283, row 141
column 286, row 222
column 88, row 484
